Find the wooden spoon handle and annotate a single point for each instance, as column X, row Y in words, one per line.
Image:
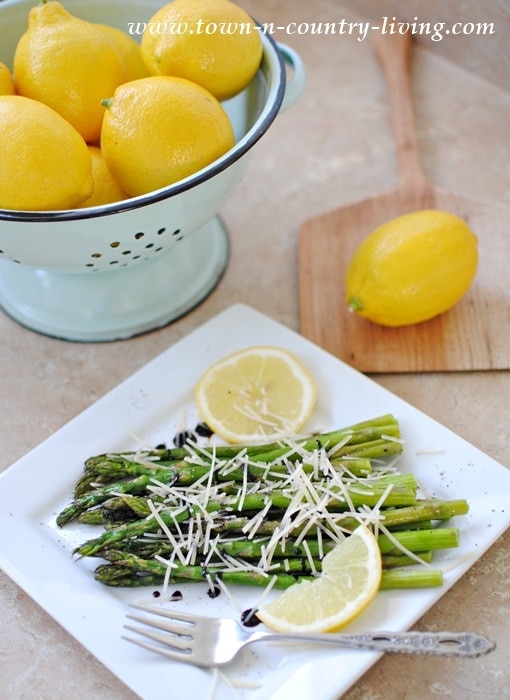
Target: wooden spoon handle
column 394, row 54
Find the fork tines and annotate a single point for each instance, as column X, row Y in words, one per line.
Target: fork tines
column 175, row 635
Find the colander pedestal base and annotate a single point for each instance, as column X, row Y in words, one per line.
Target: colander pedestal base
column 105, row 306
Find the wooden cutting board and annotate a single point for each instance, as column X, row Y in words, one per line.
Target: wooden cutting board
column 473, row 335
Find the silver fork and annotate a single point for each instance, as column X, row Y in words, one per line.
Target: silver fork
column 208, row 641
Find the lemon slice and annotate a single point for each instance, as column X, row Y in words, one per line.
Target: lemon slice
column 259, row 393
column 350, row 578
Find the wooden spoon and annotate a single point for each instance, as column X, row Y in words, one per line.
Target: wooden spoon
column 475, row 334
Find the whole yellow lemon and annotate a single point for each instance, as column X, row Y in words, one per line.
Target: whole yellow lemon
column 6, row 81
column 129, row 51
column 106, row 189
column 214, row 43
column 69, row 64
column 45, row 162
column 158, row 130
column 412, row 268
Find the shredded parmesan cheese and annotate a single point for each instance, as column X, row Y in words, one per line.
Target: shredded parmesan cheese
column 196, row 520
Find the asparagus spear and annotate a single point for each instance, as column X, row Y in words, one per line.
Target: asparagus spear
column 307, row 555
column 133, row 571
column 126, row 508
column 416, row 540
column 363, row 433
column 188, row 472
column 148, row 549
column 412, row 540
column 134, row 486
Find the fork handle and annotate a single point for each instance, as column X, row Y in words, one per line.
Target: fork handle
column 435, row 643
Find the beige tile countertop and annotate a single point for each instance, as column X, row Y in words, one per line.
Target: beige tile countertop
column 332, row 148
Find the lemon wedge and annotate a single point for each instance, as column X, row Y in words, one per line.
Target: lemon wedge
column 260, row 393
column 350, row 579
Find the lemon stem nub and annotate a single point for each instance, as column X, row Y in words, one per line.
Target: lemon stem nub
column 355, row 305
column 107, row 102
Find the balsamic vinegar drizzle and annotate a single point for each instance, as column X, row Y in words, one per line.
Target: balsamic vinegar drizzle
column 183, row 437
column 214, row 592
column 249, row 618
column 203, row 430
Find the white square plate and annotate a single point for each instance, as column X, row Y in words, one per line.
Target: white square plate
column 151, row 406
